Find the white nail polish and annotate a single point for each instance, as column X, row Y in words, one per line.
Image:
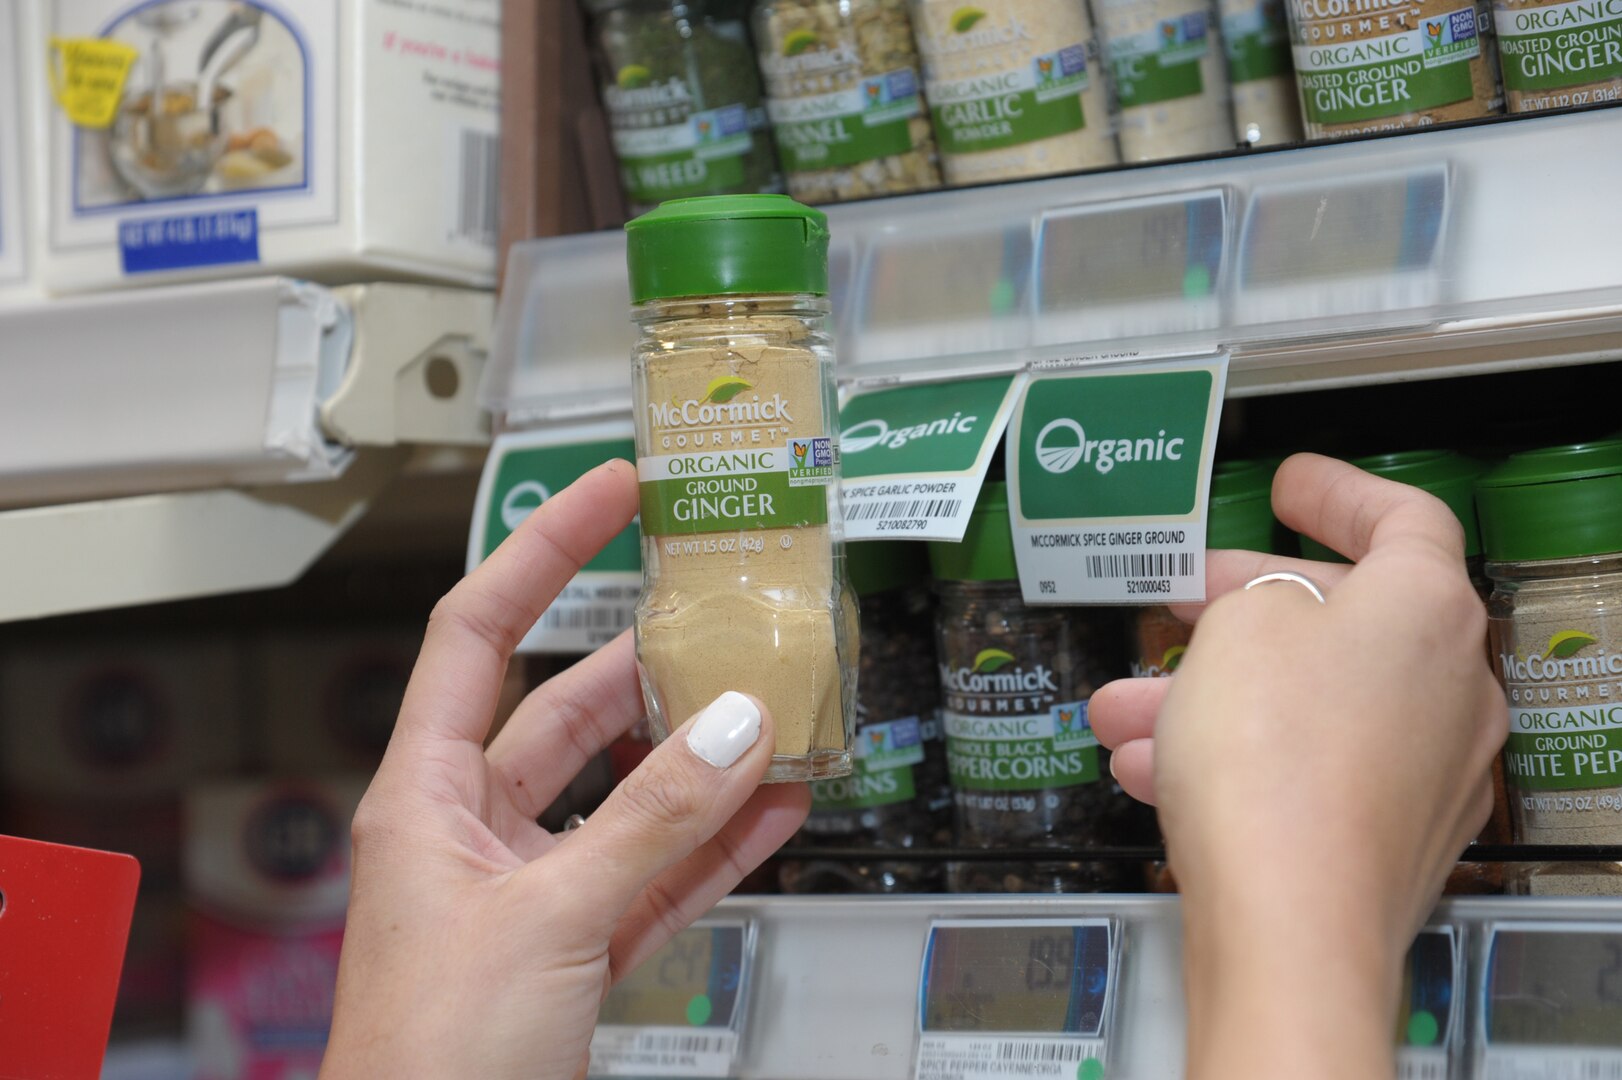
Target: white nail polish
column 727, row 727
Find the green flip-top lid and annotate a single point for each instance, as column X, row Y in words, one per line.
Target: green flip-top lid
column 987, row 550
column 1448, row 475
column 1241, row 506
column 727, row 245
column 1560, row 502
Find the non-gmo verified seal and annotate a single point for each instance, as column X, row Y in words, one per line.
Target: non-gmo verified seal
column 810, row 461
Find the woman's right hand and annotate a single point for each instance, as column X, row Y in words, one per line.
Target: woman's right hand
column 1318, row 768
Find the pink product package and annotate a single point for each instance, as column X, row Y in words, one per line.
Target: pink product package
column 267, row 876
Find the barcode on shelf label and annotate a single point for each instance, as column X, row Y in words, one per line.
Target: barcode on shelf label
column 1421, row 1064
column 662, row 1052
column 592, row 610
column 1552, row 1063
column 1152, row 565
column 960, row 1056
column 936, row 509
column 475, row 205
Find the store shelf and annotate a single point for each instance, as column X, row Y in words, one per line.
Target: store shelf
column 834, row 991
column 1433, row 253
column 219, row 437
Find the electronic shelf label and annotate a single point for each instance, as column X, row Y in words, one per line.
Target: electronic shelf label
column 1551, row 1002
column 1017, row 998
column 681, row 1013
column 1431, row 1015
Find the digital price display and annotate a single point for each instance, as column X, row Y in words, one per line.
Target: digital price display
column 1428, row 1021
column 1552, row 1003
column 681, row 1013
column 1155, row 249
column 1027, row 998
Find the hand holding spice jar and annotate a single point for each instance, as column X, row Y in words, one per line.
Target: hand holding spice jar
column 845, row 98
column 743, row 570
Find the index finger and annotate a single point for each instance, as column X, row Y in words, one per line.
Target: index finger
column 1354, row 512
column 474, row 629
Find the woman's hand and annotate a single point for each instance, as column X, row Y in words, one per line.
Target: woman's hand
column 477, row 943
column 1318, row 768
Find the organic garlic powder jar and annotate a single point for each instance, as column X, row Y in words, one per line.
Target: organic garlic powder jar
column 1382, row 65
column 1171, row 77
column 1557, row 55
column 1551, row 522
column 743, row 580
column 1014, row 88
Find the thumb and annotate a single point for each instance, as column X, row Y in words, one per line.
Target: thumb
column 676, row 800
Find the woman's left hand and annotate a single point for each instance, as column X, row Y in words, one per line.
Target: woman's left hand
column 477, row 943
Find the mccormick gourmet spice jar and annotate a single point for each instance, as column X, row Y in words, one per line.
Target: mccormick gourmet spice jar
column 1557, row 55
column 1171, row 78
column 683, row 99
column 1382, row 65
column 845, row 97
column 743, row 580
column 1551, row 523
column 1256, row 38
column 897, row 795
column 1025, row 768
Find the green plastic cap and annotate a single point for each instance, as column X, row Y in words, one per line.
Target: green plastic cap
column 727, row 245
column 1241, row 506
column 877, row 566
column 1561, row 502
column 1449, row 476
column 987, row 550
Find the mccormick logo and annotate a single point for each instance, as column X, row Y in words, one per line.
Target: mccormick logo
column 1063, row 444
column 718, row 406
column 870, row 433
column 990, row 675
column 803, row 53
column 970, row 30
column 1560, row 660
column 1169, row 661
column 633, row 89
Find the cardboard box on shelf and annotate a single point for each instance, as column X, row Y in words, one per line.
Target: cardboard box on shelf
column 318, row 138
column 330, row 699
column 117, row 719
column 267, row 878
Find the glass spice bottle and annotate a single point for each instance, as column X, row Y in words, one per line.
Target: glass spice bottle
column 897, row 795
column 1025, row 768
column 683, row 99
column 1551, row 522
column 845, row 98
column 742, row 555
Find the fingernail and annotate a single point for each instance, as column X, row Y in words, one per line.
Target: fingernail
column 1112, row 768
column 727, row 727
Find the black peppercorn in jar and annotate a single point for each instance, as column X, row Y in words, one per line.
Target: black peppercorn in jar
column 897, row 795
column 683, row 99
column 1025, row 767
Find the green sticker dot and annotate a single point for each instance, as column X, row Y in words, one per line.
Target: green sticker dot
column 1090, row 1069
column 699, row 1010
column 1197, row 281
column 1422, row 1029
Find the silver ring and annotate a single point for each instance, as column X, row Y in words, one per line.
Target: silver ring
column 1295, row 579
column 574, row 822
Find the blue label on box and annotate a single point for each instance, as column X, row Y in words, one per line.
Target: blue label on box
column 188, row 240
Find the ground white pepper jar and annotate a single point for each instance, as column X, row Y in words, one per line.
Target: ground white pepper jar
column 742, row 562
column 1551, row 522
column 1171, row 77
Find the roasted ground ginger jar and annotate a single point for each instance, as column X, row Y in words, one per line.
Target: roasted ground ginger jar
column 742, row 561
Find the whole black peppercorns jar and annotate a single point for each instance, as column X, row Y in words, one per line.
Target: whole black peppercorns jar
column 1025, row 768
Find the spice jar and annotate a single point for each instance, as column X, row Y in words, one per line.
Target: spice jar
column 1025, row 768
column 897, row 795
column 1556, row 55
column 743, row 584
column 1256, row 38
column 845, row 98
column 683, row 100
column 1171, row 77
column 1239, row 515
column 1370, row 65
column 1014, row 87
column 1551, row 523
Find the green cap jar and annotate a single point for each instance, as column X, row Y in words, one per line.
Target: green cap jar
column 727, row 245
column 987, row 550
column 1241, row 507
column 1560, row 502
column 1448, row 475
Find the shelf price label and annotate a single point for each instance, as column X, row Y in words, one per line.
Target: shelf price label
column 1552, row 1002
column 1003, row 999
column 523, row 470
column 1429, row 1018
column 1109, row 469
column 681, row 1013
column 914, row 457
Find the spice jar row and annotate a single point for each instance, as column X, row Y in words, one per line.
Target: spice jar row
column 846, row 99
